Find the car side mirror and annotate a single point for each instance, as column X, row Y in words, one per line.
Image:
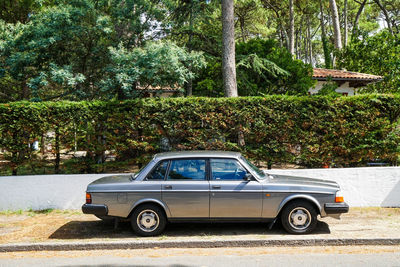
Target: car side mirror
column 248, row 177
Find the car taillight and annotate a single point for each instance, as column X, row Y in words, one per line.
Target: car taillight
column 88, row 198
column 339, row 197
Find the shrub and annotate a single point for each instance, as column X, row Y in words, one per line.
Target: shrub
column 310, row 131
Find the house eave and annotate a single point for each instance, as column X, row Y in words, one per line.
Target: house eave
column 346, row 79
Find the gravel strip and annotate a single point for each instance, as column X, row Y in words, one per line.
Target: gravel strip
column 197, row 244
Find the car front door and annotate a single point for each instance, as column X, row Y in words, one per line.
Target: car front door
column 230, row 195
column 186, row 189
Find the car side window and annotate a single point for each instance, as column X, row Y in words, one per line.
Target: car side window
column 187, row 169
column 158, row 173
column 227, row 170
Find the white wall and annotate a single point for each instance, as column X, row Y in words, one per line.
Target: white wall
column 39, row 192
column 373, row 186
column 344, row 88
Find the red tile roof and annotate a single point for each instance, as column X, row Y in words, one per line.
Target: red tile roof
column 157, row 88
column 343, row 75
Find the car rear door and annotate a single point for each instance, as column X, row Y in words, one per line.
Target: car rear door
column 230, row 195
column 186, row 188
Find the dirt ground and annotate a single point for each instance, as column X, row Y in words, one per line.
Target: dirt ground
column 176, row 252
column 73, row 226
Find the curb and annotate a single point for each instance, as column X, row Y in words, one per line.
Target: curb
column 197, row 244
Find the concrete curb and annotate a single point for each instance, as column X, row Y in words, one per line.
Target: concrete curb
column 196, row 244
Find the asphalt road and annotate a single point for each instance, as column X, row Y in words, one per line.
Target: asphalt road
column 273, row 256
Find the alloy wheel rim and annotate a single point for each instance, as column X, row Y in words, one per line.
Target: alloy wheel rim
column 299, row 218
column 148, row 220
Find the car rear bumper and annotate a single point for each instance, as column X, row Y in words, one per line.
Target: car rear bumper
column 95, row 209
column 335, row 208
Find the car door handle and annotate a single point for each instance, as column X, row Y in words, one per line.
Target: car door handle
column 216, row 187
column 168, row 186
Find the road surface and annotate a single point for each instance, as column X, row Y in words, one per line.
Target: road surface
column 249, row 257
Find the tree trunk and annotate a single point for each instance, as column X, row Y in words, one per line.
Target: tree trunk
column 345, row 24
column 327, row 56
column 57, row 151
column 296, row 44
column 355, row 26
column 310, row 51
column 280, row 36
column 306, row 47
column 189, row 85
column 336, row 25
column 241, row 22
column 14, row 165
column 42, row 145
column 228, row 49
column 300, row 36
column 241, row 141
column 291, row 27
column 25, row 92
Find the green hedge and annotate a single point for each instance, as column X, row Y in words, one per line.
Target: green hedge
column 309, row 131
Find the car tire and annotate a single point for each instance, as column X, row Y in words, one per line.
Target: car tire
column 299, row 217
column 148, row 220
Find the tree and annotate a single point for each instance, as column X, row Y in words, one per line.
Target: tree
column 184, row 20
column 336, row 25
column 360, row 9
column 161, row 64
column 60, row 52
column 379, row 55
column 13, row 11
column 63, row 51
column 136, row 21
column 291, row 27
column 386, row 15
column 228, row 49
column 345, row 22
column 263, row 68
column 324, row 40
column 250, row 20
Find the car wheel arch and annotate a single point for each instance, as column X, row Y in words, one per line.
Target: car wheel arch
column 307, row 198
column 150, row 201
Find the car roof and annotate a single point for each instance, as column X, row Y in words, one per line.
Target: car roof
column 195, row 154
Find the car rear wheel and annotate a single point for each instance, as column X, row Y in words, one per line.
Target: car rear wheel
column 148, row 220
column 299, row 217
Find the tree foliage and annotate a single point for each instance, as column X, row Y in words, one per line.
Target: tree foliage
column 68, row 50
column 163, row 65
column 59, row 49
column 378, row 54
column 263, row 68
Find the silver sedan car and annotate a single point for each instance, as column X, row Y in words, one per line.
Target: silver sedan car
column 211, row 186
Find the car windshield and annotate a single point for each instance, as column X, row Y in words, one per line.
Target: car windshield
column 135, row 175
column 259, row 172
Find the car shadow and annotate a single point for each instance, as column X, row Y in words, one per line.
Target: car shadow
column 102, row 229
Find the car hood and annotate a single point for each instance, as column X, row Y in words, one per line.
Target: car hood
column 275, row 179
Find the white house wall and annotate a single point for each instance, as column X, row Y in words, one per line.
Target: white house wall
column 344, row 88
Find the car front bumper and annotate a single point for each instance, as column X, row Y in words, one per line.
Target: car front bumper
column 95, row 209
column 336, row 208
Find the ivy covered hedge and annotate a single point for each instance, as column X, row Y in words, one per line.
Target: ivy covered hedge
column 308, row 131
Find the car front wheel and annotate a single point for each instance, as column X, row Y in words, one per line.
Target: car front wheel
column 148, row 220
column 299, row 217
